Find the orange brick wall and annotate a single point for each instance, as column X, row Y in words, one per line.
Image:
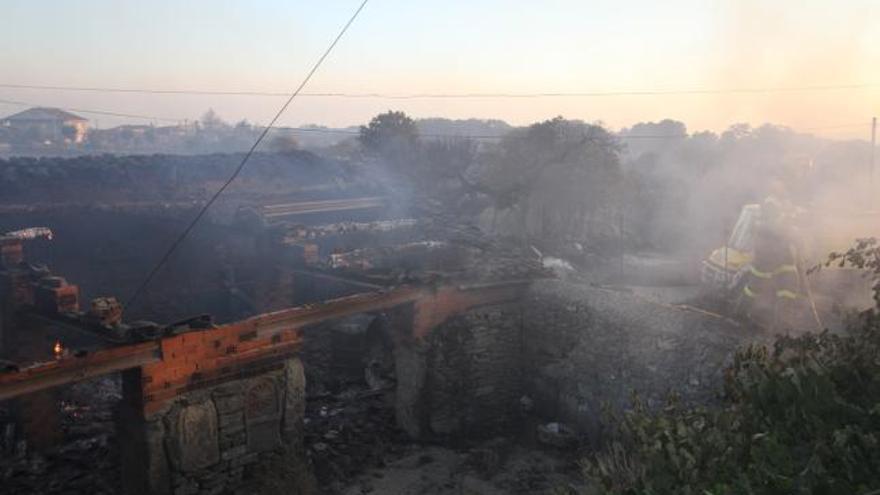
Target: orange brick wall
column 202, row 358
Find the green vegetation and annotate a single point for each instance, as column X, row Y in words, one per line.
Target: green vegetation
column 800, row 418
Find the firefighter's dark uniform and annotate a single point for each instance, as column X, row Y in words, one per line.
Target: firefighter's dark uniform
column 773, row 282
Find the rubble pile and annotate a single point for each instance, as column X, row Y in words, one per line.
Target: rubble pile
column 445, row 252
column 486, row 258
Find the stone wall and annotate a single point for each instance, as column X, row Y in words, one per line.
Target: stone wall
column 567, row 347
column 587, row 346
column 206, row 441
column 474, row 376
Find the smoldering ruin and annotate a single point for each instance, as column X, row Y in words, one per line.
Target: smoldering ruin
column 419, row 316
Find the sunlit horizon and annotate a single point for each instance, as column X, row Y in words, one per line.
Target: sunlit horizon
column 474, row 47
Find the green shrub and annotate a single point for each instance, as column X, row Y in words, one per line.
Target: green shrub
column 800, row 418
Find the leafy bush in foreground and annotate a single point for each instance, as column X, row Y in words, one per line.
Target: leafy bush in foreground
column 801, row 418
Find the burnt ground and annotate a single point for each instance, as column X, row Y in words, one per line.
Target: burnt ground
column 348, row 431
column 86, row 461
column 353, row 446
column 494, row 467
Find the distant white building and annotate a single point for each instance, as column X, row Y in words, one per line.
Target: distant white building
column 48, row 124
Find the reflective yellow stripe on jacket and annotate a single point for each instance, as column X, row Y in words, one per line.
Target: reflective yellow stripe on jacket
column 780, row 270
column 758, row 273
column 766, row 275
column 787, row 294
column 782, row 293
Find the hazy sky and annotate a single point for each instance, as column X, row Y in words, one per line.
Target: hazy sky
column 413, row 46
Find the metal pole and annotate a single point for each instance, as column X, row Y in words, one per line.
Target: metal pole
column 726, row 238
column 621, row 245
column 873, row 156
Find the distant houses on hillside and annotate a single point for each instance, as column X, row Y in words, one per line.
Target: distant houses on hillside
column 43, row 131
column 47, row 126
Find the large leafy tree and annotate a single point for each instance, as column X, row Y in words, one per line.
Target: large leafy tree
column 390, row 142
column 559, row 175
column 388, row 133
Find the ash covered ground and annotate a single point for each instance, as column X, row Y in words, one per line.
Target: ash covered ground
column 353, row 447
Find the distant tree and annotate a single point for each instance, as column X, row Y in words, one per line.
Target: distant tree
column 447, row 158
column 463, row 128
column 388, row 132
column 737, row 131
column 210, row 120
column 561, row 175
column 441, row 169
column 654, row 137
column 390, row 142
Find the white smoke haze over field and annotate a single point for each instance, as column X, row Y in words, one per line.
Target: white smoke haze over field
column 697, row 185
column 652, row 187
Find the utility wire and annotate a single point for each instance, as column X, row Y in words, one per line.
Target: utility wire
column 494, row 95
column 318, row 130
column 244, row 160
column 615, row 135
column 96, row 112
column 347, row 132
column 838, row 126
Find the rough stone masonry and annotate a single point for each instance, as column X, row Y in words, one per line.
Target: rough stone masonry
column 567, row 349
column 587, row 346
column 204, row 441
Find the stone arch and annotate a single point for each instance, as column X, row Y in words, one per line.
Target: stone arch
column 193, row 443
column 378, row 357
column 262, row 412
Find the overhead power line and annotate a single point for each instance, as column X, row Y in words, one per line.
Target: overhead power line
column 319, row 130
column 618, row 136
column 97, row 112
column 244, row 160
column 450, row 95
column 476, row 137
column 838, row 126
column 323, row 130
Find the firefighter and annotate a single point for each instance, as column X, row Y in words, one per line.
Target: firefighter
column 773, row 282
